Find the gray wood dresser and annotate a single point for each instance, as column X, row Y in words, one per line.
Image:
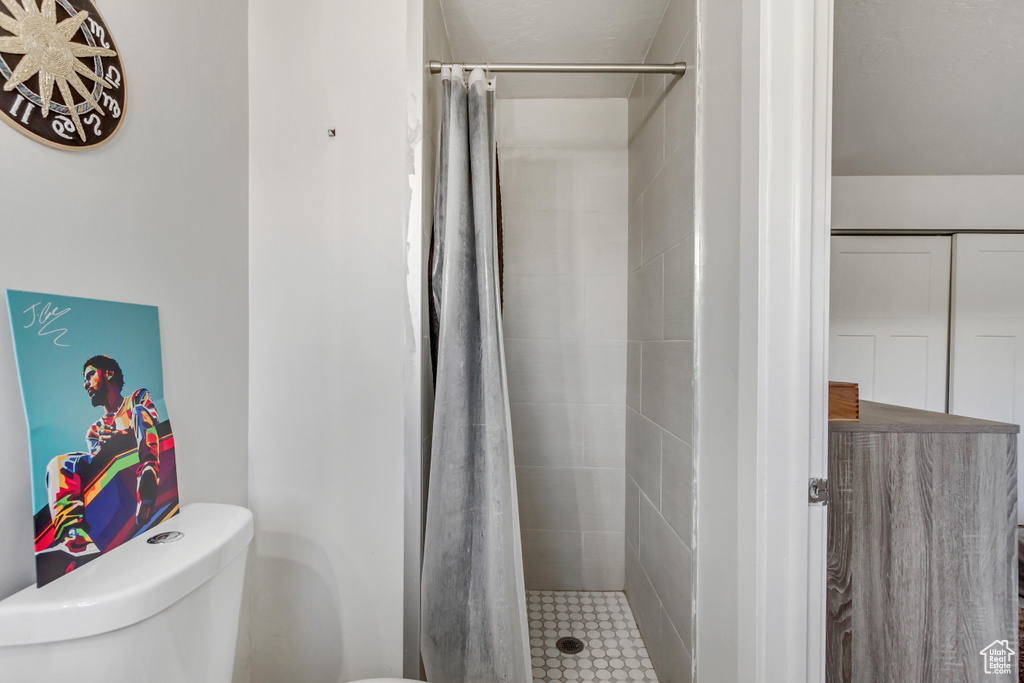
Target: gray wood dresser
column 922, row 546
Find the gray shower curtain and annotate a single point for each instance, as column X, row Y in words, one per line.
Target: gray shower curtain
column 474, row 625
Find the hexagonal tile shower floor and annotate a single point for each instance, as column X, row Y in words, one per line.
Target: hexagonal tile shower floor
column 612, row 649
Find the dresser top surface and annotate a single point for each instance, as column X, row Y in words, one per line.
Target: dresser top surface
column 881, row 417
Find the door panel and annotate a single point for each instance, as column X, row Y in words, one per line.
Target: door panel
column 986, row 379
column 889, row 318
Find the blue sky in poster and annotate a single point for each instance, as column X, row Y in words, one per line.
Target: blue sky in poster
column 53, row 337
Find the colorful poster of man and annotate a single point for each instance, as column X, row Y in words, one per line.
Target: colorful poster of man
column 100, row 446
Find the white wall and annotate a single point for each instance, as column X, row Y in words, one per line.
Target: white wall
column 329, row 318
column 928, row 202
column 928, row 87
column 564, row 176
column 660, row 381
column 156, row 216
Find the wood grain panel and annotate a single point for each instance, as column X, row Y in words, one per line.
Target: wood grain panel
column 922, row 554
column 881, row 417
column 838, row 604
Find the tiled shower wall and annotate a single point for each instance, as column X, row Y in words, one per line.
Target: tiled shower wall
column 659, row 416
column 564, row 177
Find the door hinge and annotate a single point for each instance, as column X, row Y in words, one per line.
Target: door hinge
column 817, row 491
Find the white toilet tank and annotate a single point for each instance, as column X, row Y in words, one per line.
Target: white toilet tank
column 157, row 613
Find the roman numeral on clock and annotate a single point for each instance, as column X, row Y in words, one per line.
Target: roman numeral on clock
column 17, row 105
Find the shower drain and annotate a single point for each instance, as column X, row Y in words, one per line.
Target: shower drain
column 570, row 645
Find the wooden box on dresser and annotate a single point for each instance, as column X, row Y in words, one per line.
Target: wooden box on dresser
column 922, row 546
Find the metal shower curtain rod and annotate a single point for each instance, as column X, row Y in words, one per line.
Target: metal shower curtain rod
column 678, row 69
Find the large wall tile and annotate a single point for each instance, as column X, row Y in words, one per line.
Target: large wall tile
column 667, row 561
column 538, row 372
column 634, row 357
column 604, row 308
column 646, row 152
column 676, row 662
column 548, row 434
column 669, row 655
column 565, row 371
column 600, row 241
column 632, row 514
column 677, row 486
column 678, row 311
column 643, row 600
column 643, row 454
column 565, row 242
column 604, row 560
column 636, row 217
column 607, row 179
column 577, row 499
column 604, row 443
column 537, row 242
column 565, row 186
column 553, row 560
column 668, row 204
column 544, row 306
column 604, row 370
column 635, row 104
column 602, row 497
column 547, row 499
column 646, row 301
column 667, row 392
column 659, row 377
column 561, row 123
column 549, row 179
column 654, row 93
column 681, row 97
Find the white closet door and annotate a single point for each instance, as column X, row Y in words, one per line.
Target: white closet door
column 889, row 318
column 987, row 353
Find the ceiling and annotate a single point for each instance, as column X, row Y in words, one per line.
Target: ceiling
column 921, row 87
column 554, row 31
column 928, row 87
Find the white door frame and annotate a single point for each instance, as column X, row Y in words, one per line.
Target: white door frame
column 763, row 188
column 795, row 130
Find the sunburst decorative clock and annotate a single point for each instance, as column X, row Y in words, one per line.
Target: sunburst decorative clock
column 60, row 43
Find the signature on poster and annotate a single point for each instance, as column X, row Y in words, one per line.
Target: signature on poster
column 45, row 317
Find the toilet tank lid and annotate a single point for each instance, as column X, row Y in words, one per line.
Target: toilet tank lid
column 132, row 582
